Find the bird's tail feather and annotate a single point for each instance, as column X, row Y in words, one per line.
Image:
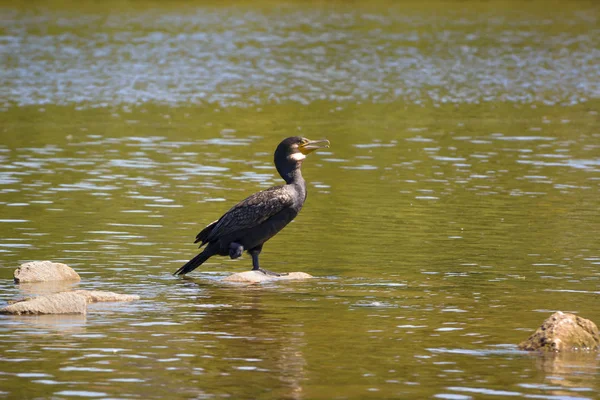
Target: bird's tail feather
column 193, row 263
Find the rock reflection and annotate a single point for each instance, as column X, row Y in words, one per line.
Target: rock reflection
column 63, row 323
column 570, row 371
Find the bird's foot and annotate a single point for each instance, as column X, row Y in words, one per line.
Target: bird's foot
column 235, row 250
column 269, row 273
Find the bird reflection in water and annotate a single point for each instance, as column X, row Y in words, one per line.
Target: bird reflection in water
column 246, row 329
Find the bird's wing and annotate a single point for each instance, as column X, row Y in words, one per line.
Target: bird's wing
column 251, row 212
column 204, row 233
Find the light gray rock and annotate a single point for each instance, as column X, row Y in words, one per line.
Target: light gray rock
column 58, row 303
column 44, row 288
column 74, row 302
column 564, row 332
column 44, row 271
column 259, row 277
column 97, row 296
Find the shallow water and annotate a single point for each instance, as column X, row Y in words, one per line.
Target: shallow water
column 456, row 209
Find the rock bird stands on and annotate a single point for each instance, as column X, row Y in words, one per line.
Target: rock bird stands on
column 250, row 223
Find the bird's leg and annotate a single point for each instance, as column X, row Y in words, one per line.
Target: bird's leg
column 255, row 267
column 235, row 250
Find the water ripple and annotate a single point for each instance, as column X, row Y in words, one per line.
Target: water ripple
column 243, row 65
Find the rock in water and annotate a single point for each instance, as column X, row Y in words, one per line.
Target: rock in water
column 564, row 332
column 58, row 303
column 258, row 277
column 44, row 271
column 44, row 288
column 64, row 303
column 97, row 296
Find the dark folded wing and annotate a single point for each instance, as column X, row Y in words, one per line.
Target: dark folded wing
column 252, row 212
column 204, row 233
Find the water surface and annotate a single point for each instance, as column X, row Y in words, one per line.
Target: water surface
column 456, row 209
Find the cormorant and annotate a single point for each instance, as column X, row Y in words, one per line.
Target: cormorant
column 253, row 221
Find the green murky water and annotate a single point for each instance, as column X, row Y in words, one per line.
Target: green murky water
column 456, row 209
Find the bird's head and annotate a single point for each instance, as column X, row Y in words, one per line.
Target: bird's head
column 296, row 148
column 291, row 151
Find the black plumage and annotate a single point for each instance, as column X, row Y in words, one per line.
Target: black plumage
column 253, row 221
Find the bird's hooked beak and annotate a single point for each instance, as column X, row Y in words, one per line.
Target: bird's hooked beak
column 311, row 145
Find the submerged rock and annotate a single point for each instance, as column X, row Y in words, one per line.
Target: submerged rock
column 564, row 332
column 64, row 303
column 58, row 303
column 97, row 296
column 45, row 288
column 258, row 277
column 44, row 271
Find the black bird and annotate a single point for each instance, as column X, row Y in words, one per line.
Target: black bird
column 253, row 221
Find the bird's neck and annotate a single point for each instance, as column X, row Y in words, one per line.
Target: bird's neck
column 294, row 177
column 297, row 184
column 291, row 173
